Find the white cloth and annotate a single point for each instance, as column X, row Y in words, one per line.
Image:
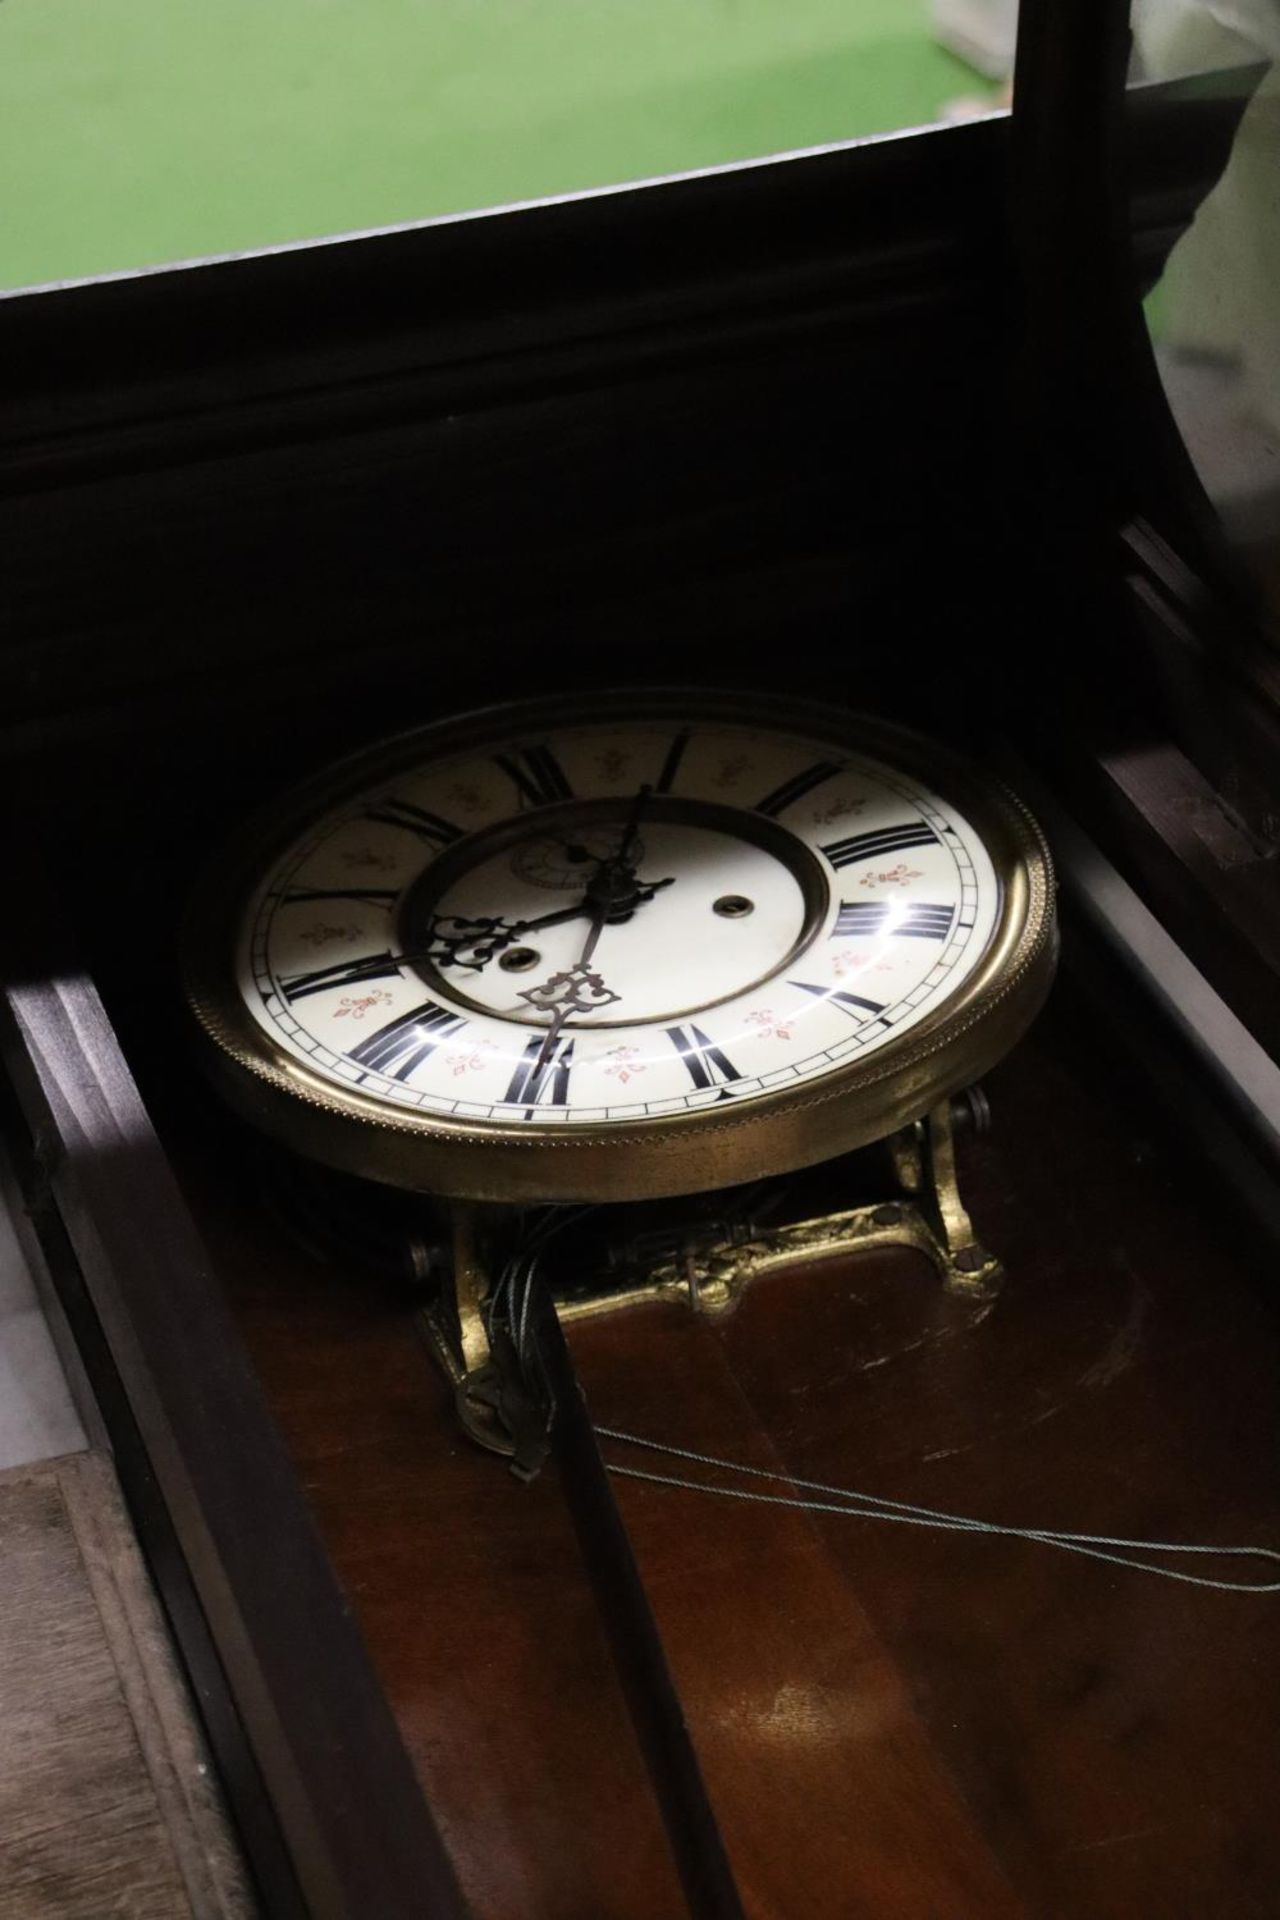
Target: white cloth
column 1220, row 297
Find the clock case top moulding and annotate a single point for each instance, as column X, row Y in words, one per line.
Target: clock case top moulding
column 259, row 511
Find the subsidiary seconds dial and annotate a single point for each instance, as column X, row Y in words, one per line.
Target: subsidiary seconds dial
column 621, row 925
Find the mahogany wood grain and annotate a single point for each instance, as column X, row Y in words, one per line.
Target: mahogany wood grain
column 892, row 1722
column 468, row 1590
column 1114, row 1736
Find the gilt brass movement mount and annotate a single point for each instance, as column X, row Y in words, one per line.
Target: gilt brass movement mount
column 925, row 1214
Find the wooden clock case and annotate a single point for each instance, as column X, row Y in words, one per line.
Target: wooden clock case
column 768, row 426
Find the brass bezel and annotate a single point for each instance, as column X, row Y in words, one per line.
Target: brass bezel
column 771, row 1133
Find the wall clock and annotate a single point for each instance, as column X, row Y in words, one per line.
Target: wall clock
column 631, row 946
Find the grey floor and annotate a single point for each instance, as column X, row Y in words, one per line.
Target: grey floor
column 37, row 1418
column 108, row 1802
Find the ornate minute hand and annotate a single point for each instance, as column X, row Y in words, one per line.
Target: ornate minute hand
column 621, row 858
column 564, row 991
column 577, row 989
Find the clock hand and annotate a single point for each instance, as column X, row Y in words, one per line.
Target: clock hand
column 602, row 898
column 581, row 855
column 564, row 990
column 613, row 890
column 575, row 989
column 491, row 937
column 614, row 886
column 486, row 937
column 621, row 858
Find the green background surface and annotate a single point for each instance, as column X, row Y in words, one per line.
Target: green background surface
column 139, row 131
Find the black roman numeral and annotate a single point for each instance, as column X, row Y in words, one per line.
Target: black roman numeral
column 404, row 1043
column 707, row 1064
column 428, row 826
column 860, row 919
column 863, row 919
column 537, row 774
column 341, row 973
column 671, row 765
column 367, row 896
column 878, row 843
column 539, row 1081
column 925, row 922
column 797, row 787
column 851, row 1003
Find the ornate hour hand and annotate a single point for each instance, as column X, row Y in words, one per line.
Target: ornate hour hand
column 455, row 941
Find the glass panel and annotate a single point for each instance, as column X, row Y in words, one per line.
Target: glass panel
column 141, row 131
column 1214, row 313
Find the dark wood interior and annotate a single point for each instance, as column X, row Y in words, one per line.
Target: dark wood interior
column 892, row 1721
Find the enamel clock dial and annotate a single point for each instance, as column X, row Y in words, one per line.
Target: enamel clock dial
column 647, row 944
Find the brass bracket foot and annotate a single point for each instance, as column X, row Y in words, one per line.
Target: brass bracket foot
column 454, row 1326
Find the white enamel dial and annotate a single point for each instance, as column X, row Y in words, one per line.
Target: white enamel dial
column 611, row 920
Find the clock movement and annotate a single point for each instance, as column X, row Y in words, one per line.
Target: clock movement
column 644, row 946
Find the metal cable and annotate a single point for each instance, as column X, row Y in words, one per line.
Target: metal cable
column 869, row 1506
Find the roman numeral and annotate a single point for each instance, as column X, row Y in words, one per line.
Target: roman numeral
column 860, row 919
column 864, row 919
column 851, row 1003
column 537, row 774
column 367, row 896
column 542, row 1082
column 671, row 765
column 707, row 1064
column 428, row 826
column 925, row 922
column 341, row 973
column 878, row 843
column 797, row 787
column 404, row 1043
